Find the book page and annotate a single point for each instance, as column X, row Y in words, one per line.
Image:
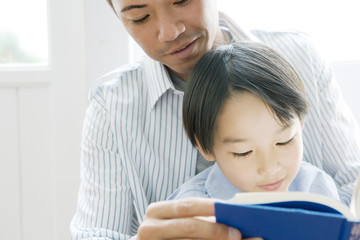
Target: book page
column 355, row 200
column 274, row 197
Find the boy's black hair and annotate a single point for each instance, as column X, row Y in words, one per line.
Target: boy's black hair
column 230, row 69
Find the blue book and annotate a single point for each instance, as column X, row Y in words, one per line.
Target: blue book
column 290, row 216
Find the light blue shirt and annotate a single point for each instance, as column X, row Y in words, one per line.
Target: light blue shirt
column 212, row 183
column 134, row 149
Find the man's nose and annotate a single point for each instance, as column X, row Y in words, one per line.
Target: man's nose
column 169, row 30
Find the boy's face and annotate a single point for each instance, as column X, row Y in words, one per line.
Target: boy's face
column 174, row 32
column 254, row 151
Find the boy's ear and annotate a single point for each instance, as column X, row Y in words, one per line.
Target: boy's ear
column 208, row 157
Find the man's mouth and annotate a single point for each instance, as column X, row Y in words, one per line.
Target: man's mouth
column 185, row 52
column 183, row 48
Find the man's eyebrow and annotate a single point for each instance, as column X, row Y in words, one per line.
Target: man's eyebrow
column 127, row 8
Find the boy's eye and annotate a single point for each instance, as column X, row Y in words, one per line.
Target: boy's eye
column 140, row 20
column 285, row 143
column 244, row 154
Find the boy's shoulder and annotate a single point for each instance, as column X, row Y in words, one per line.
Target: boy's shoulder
column 314, row 180
column 195, row 187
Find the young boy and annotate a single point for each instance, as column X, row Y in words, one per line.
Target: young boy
column 244, row 108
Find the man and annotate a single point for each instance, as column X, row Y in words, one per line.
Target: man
column 134, row 149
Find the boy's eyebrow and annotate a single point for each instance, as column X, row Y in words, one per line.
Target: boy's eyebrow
column 283, row 129
column 127, row 8
column 233, row 140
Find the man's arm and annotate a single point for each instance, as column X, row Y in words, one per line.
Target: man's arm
column 339, row 131
column 177, row 219
column 105, row 208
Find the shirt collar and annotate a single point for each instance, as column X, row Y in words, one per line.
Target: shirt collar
column 217, row 185
column 158, row 79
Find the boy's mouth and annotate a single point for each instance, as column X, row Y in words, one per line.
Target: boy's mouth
column 273, row 186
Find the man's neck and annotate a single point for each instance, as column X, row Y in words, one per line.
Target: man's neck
column 221, row 38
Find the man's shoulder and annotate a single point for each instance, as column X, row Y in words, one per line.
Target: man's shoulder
column 282, row 39
column 278, row 33
column 118, row 78
column 270, row 36
column 295, row 46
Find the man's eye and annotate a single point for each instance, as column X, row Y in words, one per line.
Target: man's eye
column 140, row 20
column 285, row 143
column 182, row 2
column 244, row 154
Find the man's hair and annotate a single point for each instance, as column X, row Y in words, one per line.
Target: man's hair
column 110, row 3
column 241, row 67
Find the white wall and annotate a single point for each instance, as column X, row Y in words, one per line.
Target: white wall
column 41, row 115
column 106, row 40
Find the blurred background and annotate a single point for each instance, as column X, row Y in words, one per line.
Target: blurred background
column 50, row 54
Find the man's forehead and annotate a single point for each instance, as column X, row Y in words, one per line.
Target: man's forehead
column 124, row 3
column 121, row 6
column 129, row 1
column 136, row 2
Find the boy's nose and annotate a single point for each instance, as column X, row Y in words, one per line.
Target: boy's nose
column 268, row 165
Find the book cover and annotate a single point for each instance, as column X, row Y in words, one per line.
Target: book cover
column 289, row 216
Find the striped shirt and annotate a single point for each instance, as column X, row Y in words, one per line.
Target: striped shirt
column 135, row 150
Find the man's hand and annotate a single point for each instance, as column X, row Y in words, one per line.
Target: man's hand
column 177, row 219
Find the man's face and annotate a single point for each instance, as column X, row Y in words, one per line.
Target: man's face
column 174, row 32
column 254, row 151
